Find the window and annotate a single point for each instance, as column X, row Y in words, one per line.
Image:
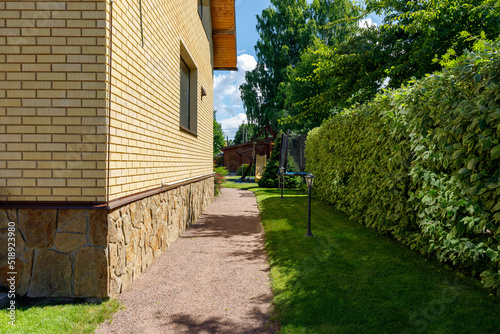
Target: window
column 200, row 9
column 185, row 93
column 204, row 13
column 188, row 82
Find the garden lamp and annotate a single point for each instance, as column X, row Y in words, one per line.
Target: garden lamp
column 309, row 182
column 282, row 174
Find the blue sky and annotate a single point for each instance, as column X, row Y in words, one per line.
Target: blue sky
column 227, row 100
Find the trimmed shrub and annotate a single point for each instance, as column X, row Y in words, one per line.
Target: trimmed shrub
column 422, row 163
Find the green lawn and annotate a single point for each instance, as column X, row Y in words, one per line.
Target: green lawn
column 350, row 280
column 58, row 318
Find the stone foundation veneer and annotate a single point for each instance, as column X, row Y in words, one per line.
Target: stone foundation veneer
column 96, row 253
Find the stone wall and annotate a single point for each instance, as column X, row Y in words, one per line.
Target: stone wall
column 139, row 232
column 96, row 253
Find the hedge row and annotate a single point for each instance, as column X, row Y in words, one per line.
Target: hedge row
column 423, row 163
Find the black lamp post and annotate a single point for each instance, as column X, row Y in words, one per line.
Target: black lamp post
column 282, row 174
column 309, row 182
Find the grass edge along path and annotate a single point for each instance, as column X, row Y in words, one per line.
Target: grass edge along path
column 350, row 280
column 58, row 317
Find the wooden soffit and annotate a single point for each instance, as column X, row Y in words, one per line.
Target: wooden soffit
column 224, row 34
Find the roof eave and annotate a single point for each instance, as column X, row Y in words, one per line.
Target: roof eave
column 224, row 35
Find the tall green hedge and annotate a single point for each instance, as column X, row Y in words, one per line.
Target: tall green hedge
column 423, row 163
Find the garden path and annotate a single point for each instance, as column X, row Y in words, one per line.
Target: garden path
column 213, row 279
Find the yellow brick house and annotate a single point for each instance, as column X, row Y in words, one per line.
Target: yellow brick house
column 105, row 134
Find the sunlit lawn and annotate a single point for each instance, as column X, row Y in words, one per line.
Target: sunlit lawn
column 52, row 318
column 350, row 280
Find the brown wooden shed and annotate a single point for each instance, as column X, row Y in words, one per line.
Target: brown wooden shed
column 236, row 155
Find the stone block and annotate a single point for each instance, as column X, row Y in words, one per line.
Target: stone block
column 127, row 278
column 130, row 252
column 113, row 230
column 98, row 227
column 19, row 243
column 69, row 242
column 23, row 268
column 127, row 229
column 72, row 221
column 38, row 227
column 113, row 256
column 121, row 262
column 6, row 216
column 51, row 275
column 91, row 272
column 137, row 213
column 114, row 215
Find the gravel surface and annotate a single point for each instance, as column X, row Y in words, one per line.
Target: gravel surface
column 213, row 279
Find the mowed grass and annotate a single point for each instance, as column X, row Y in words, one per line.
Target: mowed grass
column 350, row 280
column 56, row 317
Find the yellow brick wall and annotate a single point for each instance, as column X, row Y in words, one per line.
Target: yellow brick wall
column 52, row 100
column 54, row 89
column 147, row 146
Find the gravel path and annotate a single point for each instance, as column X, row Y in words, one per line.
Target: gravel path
column 213, row 279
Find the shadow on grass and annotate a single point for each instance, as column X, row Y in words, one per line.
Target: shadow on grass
column 350, row 280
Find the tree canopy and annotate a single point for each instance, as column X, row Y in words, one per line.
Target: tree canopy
column 286, row 29
column 244, row 133
column 218, row 136
column 313, row 60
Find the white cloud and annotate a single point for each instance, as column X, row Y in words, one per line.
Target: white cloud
column 230, row 125
column 227, row 99
column 246, row 62
column 366, row 23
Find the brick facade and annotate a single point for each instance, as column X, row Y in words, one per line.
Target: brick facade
column 55, row 125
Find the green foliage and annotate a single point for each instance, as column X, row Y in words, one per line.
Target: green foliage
column 415, row 31
column 326, row 79
column 219, row 160
column 270, row 178
column 333, row 76
column 286, row 29
column 222, row 171
column 244, row 130
column 244, row 167
column 336, row 21
column 219, row 140
column 219, row 178
column 421, row 163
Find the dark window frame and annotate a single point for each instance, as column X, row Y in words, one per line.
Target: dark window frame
column 186, row 112
column 188, row 124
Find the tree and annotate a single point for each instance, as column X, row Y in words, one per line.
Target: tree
column 329, row 78
column 218, row 136
column 244, row 133
column 336, row 20
column 416, row 31
column 284, row 31
column 287, row 28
